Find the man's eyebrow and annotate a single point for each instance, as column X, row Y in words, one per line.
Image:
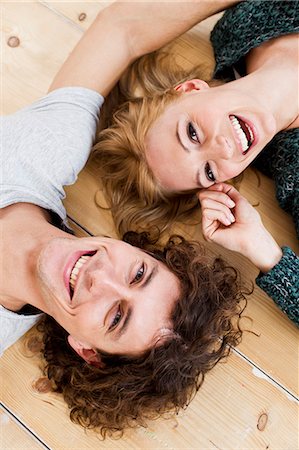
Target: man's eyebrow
column 150, row 277
column 123, row 327
column 121, row 330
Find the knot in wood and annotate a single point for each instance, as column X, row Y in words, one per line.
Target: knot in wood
column 13, row 41
column 82, row 17
column 42, row 385
column 34, row 344
column 262, row 421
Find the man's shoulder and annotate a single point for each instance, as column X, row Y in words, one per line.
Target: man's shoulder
column 13, row 326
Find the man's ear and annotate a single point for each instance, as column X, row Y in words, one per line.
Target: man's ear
column 192, row 85
column 87, row 353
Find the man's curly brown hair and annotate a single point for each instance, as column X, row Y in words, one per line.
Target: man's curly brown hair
column 127, row 391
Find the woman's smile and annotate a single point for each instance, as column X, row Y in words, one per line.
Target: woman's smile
column 245, row 133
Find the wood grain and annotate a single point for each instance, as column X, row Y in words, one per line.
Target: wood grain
column 225, row 414
column 247, row 403
column 12, row 434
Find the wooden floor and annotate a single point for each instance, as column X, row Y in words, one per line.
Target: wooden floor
column 248, row 402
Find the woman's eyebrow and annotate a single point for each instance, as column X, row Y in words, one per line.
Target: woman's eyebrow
column 197, row 179
column 177, row 134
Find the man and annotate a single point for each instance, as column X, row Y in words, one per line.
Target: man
column 99, row 290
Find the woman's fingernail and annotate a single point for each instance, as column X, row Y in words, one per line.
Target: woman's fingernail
column 231, row 203
column 232, row 218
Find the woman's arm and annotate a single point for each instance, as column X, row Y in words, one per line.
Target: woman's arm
column 124, row 31
column 281, row 283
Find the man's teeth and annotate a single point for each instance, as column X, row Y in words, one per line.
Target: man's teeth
column 76, row 269
column 245, row 143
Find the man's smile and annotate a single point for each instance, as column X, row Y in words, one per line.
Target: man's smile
column 73, row 271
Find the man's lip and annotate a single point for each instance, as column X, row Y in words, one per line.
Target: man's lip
column 253, row 129
column 70, row 265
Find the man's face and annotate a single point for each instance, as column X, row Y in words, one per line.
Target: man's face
column 107, row 294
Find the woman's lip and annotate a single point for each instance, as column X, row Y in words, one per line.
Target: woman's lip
column 253, row 129
column 69, row 267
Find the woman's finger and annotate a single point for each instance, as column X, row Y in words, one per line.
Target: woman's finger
column 211, row 215
column 216, row 195
column 229, row 190
column 210, row 204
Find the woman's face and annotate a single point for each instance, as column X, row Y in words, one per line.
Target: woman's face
column 207, row 135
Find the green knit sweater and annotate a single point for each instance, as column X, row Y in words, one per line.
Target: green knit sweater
column 241, row 29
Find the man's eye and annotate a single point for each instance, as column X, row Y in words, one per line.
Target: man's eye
column 139, row 274
column 192, row 133
column 209, row 173
column 116, row 319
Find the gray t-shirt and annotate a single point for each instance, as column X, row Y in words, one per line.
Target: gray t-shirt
column 43, row 148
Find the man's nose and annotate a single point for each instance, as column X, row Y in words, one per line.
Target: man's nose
column 106, row 282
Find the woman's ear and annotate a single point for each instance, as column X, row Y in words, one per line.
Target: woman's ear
column 87, row 353
column 192, row 85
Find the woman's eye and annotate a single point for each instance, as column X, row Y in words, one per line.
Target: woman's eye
column 192, row 132
column 116, row 319
column 139, row 274
column 209, row 173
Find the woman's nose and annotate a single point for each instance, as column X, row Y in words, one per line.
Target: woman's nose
column 219, row 147
column 223, row 147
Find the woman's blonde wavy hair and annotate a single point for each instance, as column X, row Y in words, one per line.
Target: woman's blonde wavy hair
column 136, row 199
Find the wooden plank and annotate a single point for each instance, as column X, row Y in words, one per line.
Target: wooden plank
column 15, row 437
column 79, row 231
column 235, row 397
column 81, row 204
column 44, row 43
column 81, row 13
column 237, row 408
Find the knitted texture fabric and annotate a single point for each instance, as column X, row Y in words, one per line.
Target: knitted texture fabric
column 282, row 284
column 242, row 28
column 246, row 26
column 280, row 161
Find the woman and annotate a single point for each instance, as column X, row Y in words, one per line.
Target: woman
column 183, row 135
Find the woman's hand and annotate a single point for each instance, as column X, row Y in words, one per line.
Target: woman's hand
column 229, row 220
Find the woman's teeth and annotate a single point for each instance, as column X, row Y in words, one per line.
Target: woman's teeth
column 243, row 132
column 76, row 269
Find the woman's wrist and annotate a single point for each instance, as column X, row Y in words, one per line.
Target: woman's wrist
column 264, row 253
column 270, row 260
